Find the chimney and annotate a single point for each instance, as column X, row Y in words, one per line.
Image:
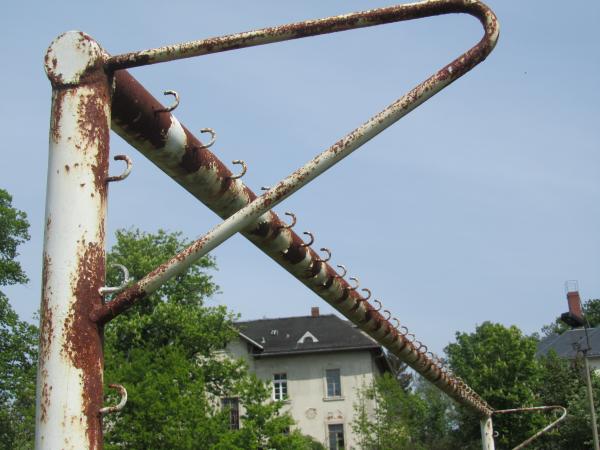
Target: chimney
column 314, row 311
column 574, row 318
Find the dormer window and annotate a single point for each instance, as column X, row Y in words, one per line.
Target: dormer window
column 307, row 337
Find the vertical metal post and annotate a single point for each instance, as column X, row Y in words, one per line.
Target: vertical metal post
column 487, row 433
column 69, row 383
column 590, row 396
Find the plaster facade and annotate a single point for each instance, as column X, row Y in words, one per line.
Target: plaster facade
column 308, row 402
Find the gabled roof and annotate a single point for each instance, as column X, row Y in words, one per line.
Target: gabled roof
column 293, row 335
column 565, row 345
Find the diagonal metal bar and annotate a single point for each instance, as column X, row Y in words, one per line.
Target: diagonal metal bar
column 160, row 137
column 547, row 428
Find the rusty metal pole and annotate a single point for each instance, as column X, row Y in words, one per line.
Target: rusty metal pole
column 69, row 382
column 487, row 433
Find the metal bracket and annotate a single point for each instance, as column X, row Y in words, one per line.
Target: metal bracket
column 536, row 409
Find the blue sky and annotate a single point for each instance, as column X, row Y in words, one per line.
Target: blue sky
column 477, row 206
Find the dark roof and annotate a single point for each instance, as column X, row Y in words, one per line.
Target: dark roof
column 284, row 336
column 565, row 345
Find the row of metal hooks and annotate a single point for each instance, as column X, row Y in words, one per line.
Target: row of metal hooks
column 400, row 329
column 213, row 134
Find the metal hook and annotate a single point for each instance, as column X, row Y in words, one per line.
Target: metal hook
column 244, row 168
column 265, row 188
column 397, row 322
column 174, row 105
column 120, row 405
column 353, row 288
column 293, row 216
column 414, row 338
column 111, row 290
column 326, row 250
column 379, row 303
column 345, row 271
column 405, row 330
column 312, row 239
column 127, row 171
column 368, row 291
column 213, row 136
column 389, row 314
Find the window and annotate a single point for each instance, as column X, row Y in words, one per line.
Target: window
column 233, row 405
column 336, row 436
column 280, row 386
column 334, row 385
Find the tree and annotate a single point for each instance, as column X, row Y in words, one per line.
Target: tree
column 562, row 384
column 18, row 339
column 166, row 351
column 591, row 311
column 14, row 230
column 402, row 418
column 499, row 363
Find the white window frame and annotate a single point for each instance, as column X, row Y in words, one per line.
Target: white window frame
column 340, row 395
column 280, row 386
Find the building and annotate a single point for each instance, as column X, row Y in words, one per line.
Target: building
column 316, row 364
column 567, row 344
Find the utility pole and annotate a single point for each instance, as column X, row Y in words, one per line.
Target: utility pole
column 575, row 318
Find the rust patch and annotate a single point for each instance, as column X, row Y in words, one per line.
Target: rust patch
column 58, row 97
column 94, row 131
column 46, row 319
column 83, row 338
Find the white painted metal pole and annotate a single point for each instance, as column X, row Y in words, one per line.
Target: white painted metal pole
column 487, row 434
column 69, row 384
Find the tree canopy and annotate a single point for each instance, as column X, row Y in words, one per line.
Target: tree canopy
column 167, row 352
column 18, row 339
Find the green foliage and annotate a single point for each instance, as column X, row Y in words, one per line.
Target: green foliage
column 563, row 384
column 499, row 363
column 166, row 351
column 591, row 311
column 18, row 339
column 388, row 416
column 18, row 357
column 14, row 230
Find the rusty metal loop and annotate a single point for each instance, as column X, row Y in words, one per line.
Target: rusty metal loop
column 293, row 216
column 353, row 288
column 105, row 290
column 213, row 136
column 402, row 327
column 379, row 303
column 389, row 314
column 341, row 266
column 414, row 338
column 326, row 250
column 244, row 169
column 368, row 291
column 127, row 170
column 174, row 105
column 397, row 322
column 312, row 239
column 120, row 405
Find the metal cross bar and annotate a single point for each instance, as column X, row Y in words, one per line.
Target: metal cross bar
column 307, row 28
column 183, row 157
column 536, row 409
